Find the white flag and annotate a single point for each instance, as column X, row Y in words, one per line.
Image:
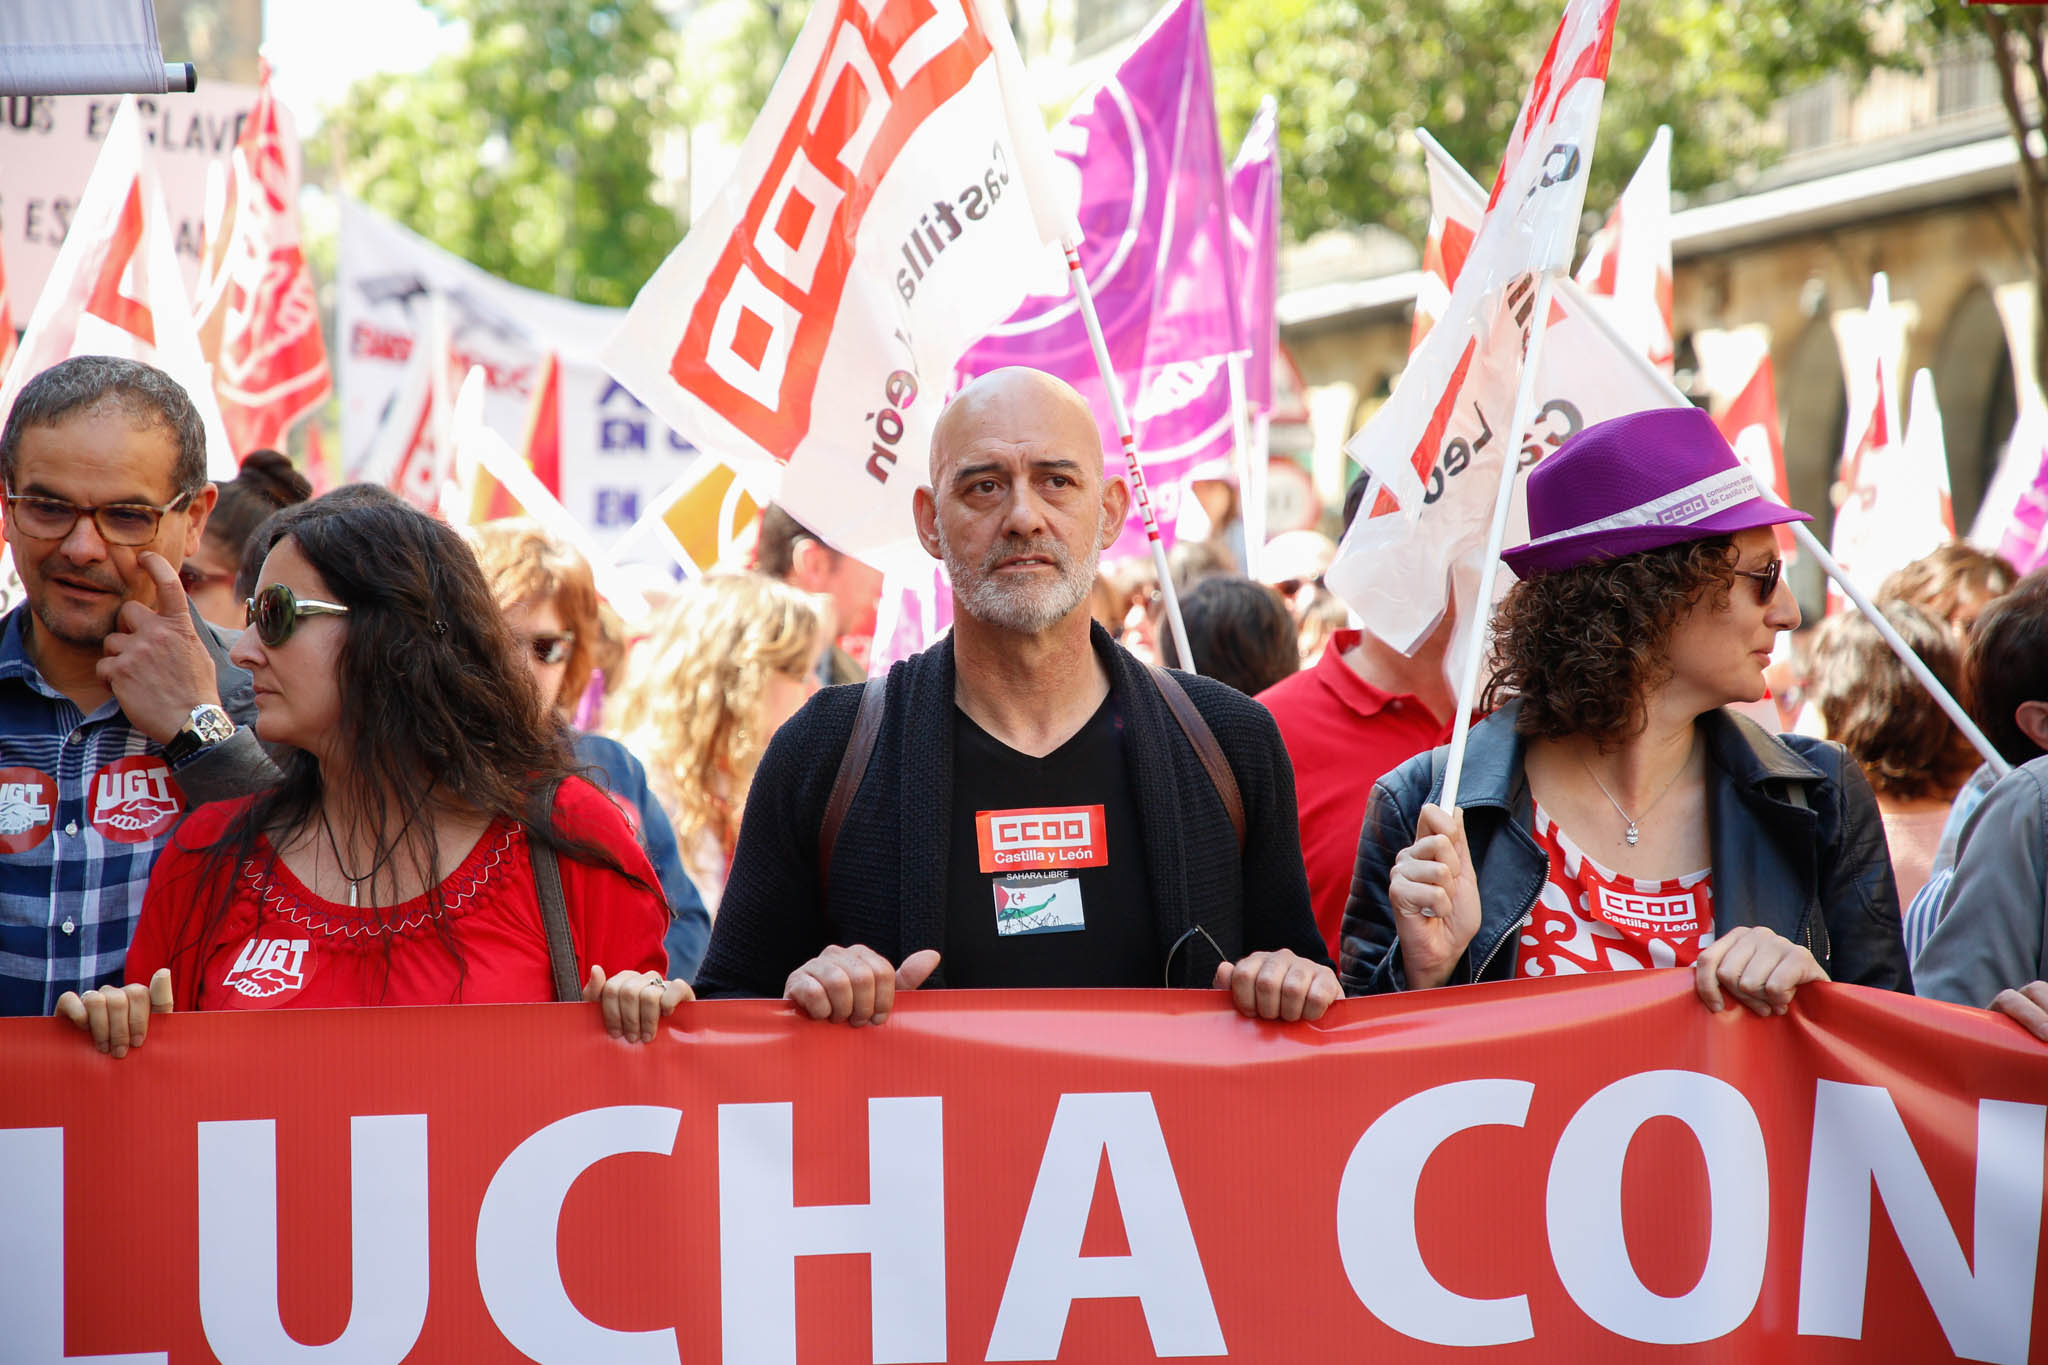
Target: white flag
column 1628, row 263
column 1530, row 225
column 893, row 201
column 115, row 288
column 1894, row 504
column 1399, row 573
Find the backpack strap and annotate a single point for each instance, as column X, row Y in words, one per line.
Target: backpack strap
column 554, row 912
column 1206, row 748
column 853, row 766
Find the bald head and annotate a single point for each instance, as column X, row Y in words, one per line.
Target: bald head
column 1015, row 407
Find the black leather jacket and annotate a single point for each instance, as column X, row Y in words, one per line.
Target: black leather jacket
column 1815, row 870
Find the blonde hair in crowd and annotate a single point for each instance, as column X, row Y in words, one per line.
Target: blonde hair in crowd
column 690, row 704
column 522, row 563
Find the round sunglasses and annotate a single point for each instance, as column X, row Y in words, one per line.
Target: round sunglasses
column 274, row 613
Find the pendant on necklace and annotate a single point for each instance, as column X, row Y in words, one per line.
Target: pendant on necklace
column 352, row 885
column 1632, row 836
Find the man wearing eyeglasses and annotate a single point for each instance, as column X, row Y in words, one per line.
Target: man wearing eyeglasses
column 119, row 709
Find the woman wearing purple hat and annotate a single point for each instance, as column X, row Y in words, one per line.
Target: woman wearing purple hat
column 1612, row 814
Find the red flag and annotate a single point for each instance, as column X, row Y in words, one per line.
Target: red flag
column 543, row 444
column 1751, row 425
column 258, row 322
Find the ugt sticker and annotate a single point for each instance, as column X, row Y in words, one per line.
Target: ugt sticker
column 133, row 800
column 1043, row 838
column 1030, row 905
column 28, row 800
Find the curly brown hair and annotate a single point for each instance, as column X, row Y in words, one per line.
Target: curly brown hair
column 1908, row 746
column 1583, row 647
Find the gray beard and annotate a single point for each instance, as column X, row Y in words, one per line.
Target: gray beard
column 1024, row 608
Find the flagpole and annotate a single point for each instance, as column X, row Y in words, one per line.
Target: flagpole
column 1086, row 298
column 1913, row 662
column 1810, row 544
column 1496, row 537
column 1253, row 527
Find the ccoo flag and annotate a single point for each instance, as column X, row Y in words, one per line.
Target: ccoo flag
column 259, row 325
column 883, row 203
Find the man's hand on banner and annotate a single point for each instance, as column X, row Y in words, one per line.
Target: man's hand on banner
column 2029, row 1005
column 634, row 1003
column 155, row 663
column 855, row 985
column 1435, row 898
column 1279, row 985
column 117, row 1017
column 1757, row 967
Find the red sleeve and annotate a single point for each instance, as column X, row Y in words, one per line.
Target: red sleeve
column 617, row 925
column 177, row 900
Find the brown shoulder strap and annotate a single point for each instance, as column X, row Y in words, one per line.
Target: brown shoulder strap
column 853, row 766
column 1206, row 748
column 554, row 915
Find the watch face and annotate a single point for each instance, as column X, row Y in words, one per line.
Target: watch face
column 212, row 724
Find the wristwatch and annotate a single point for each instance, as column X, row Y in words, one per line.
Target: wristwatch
column 207, row 726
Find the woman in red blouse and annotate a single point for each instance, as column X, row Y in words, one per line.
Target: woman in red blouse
column 392, row 864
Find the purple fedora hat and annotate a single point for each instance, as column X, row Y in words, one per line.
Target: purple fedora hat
column 1635, row 483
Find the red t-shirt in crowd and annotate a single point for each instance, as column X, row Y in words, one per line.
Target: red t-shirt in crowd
column 1342, row 735
column 1589, row 919
column 280, row 946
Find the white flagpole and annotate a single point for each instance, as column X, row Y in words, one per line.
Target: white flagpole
column 1504, row 496
column 1810, row 544
column 1086, row 298
column 1914, row 665
column 1252, row 525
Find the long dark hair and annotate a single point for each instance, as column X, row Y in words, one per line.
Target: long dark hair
column 438, row 711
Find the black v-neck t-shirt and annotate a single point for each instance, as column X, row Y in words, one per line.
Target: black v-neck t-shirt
column 1045, row 883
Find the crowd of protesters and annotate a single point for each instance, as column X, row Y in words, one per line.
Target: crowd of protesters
column 265, row 750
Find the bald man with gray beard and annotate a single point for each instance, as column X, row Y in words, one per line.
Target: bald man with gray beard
column 1024, row 804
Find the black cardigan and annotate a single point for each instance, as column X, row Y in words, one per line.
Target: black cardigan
column 888, row 877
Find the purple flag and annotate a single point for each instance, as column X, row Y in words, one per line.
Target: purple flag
column 1255, row 230
column 1156, row 248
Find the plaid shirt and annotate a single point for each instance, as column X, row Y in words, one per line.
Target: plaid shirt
column 86, row 802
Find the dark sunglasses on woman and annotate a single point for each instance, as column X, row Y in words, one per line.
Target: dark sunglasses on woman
column 274, row 613
column 1766, row 580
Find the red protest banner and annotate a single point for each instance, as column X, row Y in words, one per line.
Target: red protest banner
column 1559, row 1170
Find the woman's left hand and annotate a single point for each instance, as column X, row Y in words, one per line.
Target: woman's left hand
column 634, row 1003
column 1756, row 967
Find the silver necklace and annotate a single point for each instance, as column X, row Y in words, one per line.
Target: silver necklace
column 1633, row 834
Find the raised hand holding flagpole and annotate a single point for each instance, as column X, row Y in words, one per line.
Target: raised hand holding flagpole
column 1496, row 537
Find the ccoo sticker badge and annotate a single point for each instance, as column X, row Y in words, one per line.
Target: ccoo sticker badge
column 1044, row 838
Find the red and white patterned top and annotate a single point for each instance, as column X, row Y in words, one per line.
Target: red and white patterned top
column 1590, row 919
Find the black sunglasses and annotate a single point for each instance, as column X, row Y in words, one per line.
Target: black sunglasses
column 552, row 649
column 274, row 613
column 1766, row 579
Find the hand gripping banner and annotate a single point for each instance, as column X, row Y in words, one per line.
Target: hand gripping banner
column 1593, row 1170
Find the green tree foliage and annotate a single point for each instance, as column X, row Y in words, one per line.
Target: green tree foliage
column 1354, row 78
column 530, row 150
